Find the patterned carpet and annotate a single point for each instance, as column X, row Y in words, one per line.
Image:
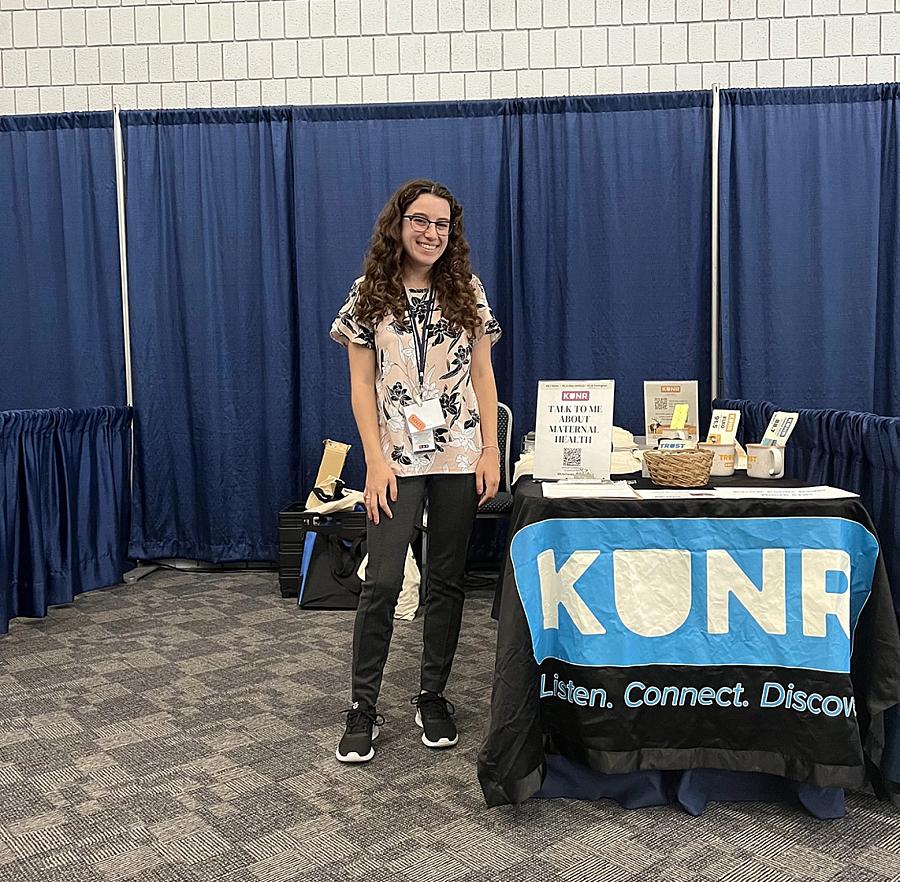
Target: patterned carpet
column 183, row 728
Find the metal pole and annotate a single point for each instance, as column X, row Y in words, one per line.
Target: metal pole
column 714, row 261
column 123, row 252
column 123, row 271
column 141, row 569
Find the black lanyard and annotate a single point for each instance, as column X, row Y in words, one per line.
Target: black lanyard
column 420, row 339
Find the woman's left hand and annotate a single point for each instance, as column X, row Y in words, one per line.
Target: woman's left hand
column 487, row 475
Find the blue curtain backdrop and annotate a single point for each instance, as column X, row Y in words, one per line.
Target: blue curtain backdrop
column 611, row 246
column 63, row 505
column 810, row 247
column 347, row 162
column 589, row 224
column 247, row 228
column 59, row 263
column 215, row 331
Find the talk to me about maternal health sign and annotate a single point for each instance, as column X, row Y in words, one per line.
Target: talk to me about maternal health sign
column 574, row 429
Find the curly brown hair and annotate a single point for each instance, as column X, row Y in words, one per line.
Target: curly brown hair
column 381, row 292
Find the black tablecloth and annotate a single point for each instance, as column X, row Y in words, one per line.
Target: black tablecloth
column 524, row 728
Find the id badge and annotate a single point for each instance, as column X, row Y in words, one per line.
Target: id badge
column 423, row 442
column 427, row 416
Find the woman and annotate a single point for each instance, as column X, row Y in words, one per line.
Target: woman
column 419, row 331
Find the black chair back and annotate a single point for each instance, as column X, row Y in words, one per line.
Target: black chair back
column 504, row 442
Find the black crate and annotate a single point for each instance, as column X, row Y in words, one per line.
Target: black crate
column 293, row 524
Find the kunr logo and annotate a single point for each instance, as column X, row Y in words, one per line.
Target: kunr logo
column 650, row 609
column 576, row 396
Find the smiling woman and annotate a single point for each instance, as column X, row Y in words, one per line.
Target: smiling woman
column 419, row 331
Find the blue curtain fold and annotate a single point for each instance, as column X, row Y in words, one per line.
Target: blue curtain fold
column 855, row 451
column 810, row 247
column 64, row 505
column 611, row 245
column 215, row 331
column 59, row 263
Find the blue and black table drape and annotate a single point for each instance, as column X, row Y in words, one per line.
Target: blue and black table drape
column 639, row 650
column 64, row 505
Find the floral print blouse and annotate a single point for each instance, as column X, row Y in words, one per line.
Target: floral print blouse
column 447, row 377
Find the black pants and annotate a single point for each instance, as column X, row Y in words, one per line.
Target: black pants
column 452, row 503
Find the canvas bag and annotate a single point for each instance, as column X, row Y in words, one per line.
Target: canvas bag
column 408, row 602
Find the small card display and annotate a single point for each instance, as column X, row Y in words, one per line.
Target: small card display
column 723, row 426
column 779, row 429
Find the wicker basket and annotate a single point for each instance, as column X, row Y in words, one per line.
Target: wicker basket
column 679, row 468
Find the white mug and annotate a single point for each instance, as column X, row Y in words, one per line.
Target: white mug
column 723, row 458
column 765, row 461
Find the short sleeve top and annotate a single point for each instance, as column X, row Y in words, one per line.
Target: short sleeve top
column 447, row 377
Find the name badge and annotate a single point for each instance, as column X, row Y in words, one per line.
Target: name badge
column 420, row 418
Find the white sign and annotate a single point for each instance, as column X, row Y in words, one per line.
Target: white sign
column 661, row 397
column 779, row 429
column 573, row 438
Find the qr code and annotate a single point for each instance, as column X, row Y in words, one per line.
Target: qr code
column 572, row 457
column 660, row 403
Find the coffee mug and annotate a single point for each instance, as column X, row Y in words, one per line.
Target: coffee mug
column 765, row 461
column 723, row 458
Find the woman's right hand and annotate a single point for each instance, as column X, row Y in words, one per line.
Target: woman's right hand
column 381, row 484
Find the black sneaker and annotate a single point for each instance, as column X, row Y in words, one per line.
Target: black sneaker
column 362, row 730
column 435, row 716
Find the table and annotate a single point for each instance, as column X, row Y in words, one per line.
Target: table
column 697, row 636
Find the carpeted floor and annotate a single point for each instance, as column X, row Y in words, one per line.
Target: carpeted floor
column 183, row 728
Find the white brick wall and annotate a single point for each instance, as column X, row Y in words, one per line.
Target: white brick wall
column 60, row 55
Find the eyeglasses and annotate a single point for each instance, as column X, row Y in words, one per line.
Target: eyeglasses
column 420, row 223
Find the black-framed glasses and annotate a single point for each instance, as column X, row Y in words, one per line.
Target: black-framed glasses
column 420, row 223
